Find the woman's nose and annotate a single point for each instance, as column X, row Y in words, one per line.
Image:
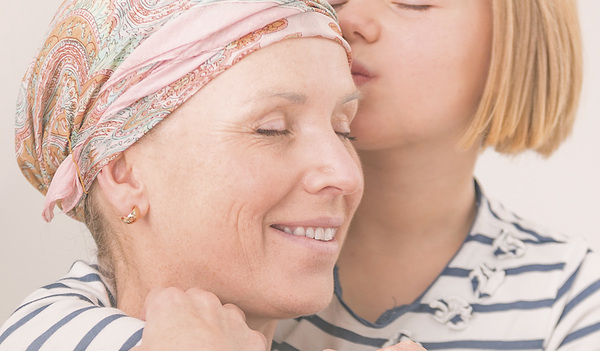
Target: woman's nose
column 334, row 167
column 359, row 21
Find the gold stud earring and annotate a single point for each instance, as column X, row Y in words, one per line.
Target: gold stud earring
column 132, row 216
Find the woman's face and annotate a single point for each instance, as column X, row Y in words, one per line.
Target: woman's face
column 253, row 181
column 420, row 64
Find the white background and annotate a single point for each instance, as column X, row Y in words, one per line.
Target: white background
column 561, row 192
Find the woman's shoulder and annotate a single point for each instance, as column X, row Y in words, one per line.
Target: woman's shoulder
column 78, row 309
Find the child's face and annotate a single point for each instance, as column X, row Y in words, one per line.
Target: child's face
column 421, row 66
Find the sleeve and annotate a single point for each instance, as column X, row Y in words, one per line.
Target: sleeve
column 74, row 313
column 578, row 326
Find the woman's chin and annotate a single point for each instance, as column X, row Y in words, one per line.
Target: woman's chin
column 307, row 303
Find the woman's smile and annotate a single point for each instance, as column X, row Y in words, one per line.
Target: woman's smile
column 320, row 229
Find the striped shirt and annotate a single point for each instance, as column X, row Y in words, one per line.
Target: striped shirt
column 511, row 286
column 76, row 313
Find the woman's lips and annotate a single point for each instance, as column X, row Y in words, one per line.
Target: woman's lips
column 361, row 74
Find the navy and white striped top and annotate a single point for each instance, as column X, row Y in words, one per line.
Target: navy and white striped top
column 75, row 313
column 511, row 286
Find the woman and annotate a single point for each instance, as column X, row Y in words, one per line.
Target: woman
column 239, row 199
column 428, row 256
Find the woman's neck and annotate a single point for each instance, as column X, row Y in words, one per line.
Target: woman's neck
column 132, row 292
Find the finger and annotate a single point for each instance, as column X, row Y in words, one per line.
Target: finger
column 264, row 344
column 204, row 298
column 236, row 309
column 161, row 300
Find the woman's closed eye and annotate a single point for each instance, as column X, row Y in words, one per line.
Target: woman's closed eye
column 413, row 7
column 342, row 129
column 345, row 136
column 285, row 132
column 337, row 4
column 273, row 132
column 275, row 127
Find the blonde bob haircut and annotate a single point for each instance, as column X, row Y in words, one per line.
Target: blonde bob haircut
column 534, row 81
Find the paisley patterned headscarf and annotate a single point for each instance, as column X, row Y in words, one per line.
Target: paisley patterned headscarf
column 110, row 70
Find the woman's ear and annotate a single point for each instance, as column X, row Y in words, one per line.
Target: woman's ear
column 122, row 188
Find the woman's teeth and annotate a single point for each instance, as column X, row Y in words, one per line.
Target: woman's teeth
column 319, row 233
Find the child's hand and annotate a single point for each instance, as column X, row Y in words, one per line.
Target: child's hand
column 195, row 319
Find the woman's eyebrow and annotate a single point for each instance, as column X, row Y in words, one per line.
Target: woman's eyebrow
column 292, row 97
column 355, row 95
column 300, row 99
